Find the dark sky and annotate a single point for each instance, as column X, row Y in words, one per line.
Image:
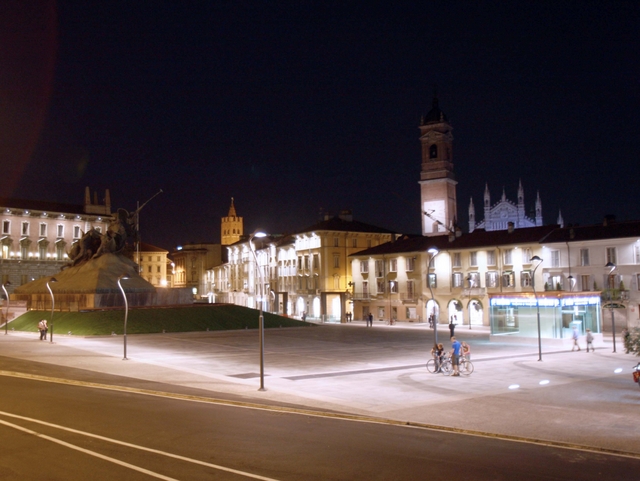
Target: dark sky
column 295, row 106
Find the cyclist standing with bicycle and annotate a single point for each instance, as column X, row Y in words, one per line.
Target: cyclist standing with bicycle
column 455, row 356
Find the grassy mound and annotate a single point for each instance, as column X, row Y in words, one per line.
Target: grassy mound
column 153, row 320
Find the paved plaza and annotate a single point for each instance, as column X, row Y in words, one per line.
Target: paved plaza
column 569, row 397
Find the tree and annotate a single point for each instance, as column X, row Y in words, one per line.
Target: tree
column 632, row 341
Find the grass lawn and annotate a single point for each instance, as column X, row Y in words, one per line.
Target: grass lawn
column 153, row 320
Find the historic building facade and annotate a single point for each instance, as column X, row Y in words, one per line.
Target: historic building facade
column 153, row 264
column 303, row 274
column 505, row 212
column 36, row 235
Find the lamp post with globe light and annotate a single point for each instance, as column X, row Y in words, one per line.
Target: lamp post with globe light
column 533, row 284
column 259, row 234
column 126, row 312
column 432, row 251
column 611, row 266
column 6, row 316
column 53, row 303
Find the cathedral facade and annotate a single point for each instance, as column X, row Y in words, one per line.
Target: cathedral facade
column 505, row 212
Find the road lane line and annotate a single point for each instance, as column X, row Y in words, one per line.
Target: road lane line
column 121, row 443
column 328, row 415
column 86, row 451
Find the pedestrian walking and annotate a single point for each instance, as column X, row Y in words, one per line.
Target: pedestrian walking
column 431, row 320
column 575, row 337
column 590, row 341
column 455, row 356
column 452, row 328
column 43, row 328
column 370, row 320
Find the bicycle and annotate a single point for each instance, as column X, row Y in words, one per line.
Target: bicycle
column 466, row 366
column 444, row 366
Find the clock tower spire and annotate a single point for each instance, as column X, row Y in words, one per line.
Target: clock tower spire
column 437, row 180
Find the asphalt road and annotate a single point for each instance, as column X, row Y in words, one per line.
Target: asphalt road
column 80, row 430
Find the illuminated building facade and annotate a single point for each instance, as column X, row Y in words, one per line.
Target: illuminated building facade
column 307, row 273
column 153, row 265
column 36, row 235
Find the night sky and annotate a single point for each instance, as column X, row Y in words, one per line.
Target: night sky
column 293, row 107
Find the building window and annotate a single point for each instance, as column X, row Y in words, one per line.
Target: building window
column 76, row 232
column 432, row 280
column 25, row 228
column 433, row 152
column 525, row 279
column 508, row 257
column 474, row 279
column 555, row 283
column 586, row 283
column 336, row 261
column 508, row 279
column 410, row 290
column 380, row 286
column 555, row 258
column 365, row 288
column 456, row 279
column 379, row 268
column 59, row 252
column 393, row 265
column 43, row 230
column 393, row 287
column 354, row 242
column 24, row 252
column 336, row 241
column 526, row 255
column 306, row 262
column 491, row 279
column 364, row 266
column 316, row 261
column 60, row 230
column 149, row 269
column 157, row 268
column 473, row 258
column 456, row 260
column 611, row 255
column 6, row 227
column 584, row 257
column 410, row 263
column 491, row 258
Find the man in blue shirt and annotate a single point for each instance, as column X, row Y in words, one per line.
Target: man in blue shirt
column 455, row 356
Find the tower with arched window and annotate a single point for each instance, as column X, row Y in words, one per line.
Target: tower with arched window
column 437, row 180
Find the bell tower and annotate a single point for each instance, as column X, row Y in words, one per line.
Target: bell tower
column 437, row 180
column 231, row 227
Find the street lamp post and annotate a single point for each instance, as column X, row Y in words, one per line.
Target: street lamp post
column 533, row 284
column 126, row 313
column 611, row 266
column 259, row 234
column 53, row 303
column 433, row 251
column 6, row 316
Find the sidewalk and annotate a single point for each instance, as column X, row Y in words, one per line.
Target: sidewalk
column 570, row 397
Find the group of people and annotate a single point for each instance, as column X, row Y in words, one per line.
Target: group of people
column 458, row 349
column 575, row 336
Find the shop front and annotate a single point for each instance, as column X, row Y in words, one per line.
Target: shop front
column 517, row 314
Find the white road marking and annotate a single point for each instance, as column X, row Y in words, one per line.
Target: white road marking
column 121, row 443
column 86, row 451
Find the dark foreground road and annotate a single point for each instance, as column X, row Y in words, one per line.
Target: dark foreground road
column 76, row 431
